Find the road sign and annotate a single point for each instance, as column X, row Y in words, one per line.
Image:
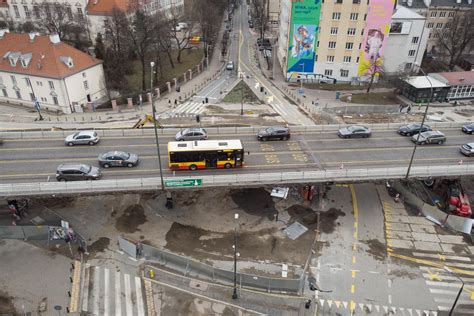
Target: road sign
column 183, row 183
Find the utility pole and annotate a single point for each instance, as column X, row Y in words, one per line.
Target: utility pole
column 152, row 64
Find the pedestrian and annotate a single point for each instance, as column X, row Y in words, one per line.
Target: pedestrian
column 175, row 102
column 312, row 102
column 317, row 102
column 139, row 249
column 409, row 109
column 169, row 102
column 400, row 108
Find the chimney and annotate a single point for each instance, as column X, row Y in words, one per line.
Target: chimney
column 54, row 38
column 32, row 36
column 3, row 32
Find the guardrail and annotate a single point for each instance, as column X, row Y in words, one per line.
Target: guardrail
column 236, row 179
column 48, row 133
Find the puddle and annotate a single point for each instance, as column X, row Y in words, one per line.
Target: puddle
column 328, row 219
column 303, row 214
column 377, row 249
column 256, row 202
column 6, row 304
column 99, row 245
column 132, row 217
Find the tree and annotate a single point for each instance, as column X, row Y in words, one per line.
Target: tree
column 142, row 36
column 371, row 69
column 456, row 37
column 28, row 27
column 99, row 48
column 261, row 16
column 117, row 31
column 180, row 37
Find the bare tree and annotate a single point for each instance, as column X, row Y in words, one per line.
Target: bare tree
column 180, row 36
column 456, row 37
column 371, row 69
column 117, row 31
column 260, row 15
column 60, row 19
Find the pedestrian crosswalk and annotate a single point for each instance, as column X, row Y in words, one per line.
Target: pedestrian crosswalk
column 190, row 107
column 107, row 292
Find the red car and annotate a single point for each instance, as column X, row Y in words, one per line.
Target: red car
column 458, row 202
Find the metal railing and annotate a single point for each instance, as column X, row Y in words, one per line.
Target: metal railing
column 236, row 179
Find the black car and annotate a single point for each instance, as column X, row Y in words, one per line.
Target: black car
column 468, row 128
column 118, row 159
column 429, row 137
column 412, row 129
column 274, row 132
column 354, row 131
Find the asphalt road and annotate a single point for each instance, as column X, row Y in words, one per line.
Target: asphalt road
column 33, row 160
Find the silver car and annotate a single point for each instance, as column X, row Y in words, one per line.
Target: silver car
column 467, row 149
column 191, row 134
column 82, row 138
column 354, row 131
column 77, row 172
column 118, row 159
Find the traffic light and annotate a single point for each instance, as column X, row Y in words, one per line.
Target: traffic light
column 198, row 118
column 261, row 89
column 207, row 100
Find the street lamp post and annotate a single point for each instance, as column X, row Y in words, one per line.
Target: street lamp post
column 422, row 123
column 152, row 64
column 460, row 290
column 36, row 103
column 234, row 294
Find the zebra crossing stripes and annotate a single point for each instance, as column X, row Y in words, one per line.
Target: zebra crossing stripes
column 108, row 293
column 335, row 306
column 190, row 107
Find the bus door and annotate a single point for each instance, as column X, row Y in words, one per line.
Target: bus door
column 211, row 160
column 239, row 158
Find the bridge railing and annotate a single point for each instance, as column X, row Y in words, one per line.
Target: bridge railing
column 47, row 133
column 235, row 179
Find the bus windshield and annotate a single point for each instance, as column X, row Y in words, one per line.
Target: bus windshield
column 204, row 154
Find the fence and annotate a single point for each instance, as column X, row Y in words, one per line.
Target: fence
column 24, row 232
column 237, row 179
column 196, row 269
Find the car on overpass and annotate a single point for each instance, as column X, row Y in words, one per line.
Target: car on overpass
column 354, row 131
column 77, row 172
column 191, row 134
column 82, row 138
column 467, row 149
column 118, row 159
column 412, row 129
column 274, row 133
column 429, row 137
column 468, row 128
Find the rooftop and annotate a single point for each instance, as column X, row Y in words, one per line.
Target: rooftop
column 458, row 77
column 41, row 55
column 106, row 7
column 420, row 82
column 205, row 145
column 3, row 3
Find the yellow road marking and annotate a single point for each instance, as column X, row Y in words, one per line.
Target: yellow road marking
column 442, row 257
column 434, row 276
column 352, row 288
column 353, row 273
column 352, row 306
column 353, row 259
column 355, row 224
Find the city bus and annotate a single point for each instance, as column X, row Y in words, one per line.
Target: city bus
column 202, row 154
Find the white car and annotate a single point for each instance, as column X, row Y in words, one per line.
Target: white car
column 82, row 138
column 230, row 65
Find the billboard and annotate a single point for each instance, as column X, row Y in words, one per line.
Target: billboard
column 304, row 27
column 375, row 37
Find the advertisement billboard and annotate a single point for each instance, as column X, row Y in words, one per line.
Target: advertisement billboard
column 375, row 37
column 303, row 31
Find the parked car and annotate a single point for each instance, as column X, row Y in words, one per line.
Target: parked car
column 181, row 26
column 457, row 201
column 467, row 149
column 429, row 137
column 230, row 65
column 412, row 129
column 354, row 131
column 82, row 138
column 468, row 128
column 191, row 134
column 274, row 133
column 118, row 159
column 77, row 172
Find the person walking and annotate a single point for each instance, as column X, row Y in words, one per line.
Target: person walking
column 139, row 250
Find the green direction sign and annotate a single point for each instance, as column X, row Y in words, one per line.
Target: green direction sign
column 183, row 183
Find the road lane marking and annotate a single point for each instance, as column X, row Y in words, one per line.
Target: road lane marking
column 118, row 294
column 434, row 276
column 138, row 291
column 106, row 292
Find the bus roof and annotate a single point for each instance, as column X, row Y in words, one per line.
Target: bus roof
column 205, row 145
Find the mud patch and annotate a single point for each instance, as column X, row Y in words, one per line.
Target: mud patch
column 56, row 202
column 304, row 215
column 328, row 220
column 411, row 209
column 255, row 201
column 403, row 274
column 461, row 249
column 6, row 304
column 132, row 217
column 377, row 249
column 98, row 246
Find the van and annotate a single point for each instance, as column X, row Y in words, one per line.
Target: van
column 77, row 172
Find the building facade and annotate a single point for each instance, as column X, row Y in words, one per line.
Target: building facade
column 21, row 11
column 60, row 77
column 461, row 84
column 407, row 41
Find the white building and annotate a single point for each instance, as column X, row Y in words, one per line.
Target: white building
column 4, row 11
column 59, row 76
column 407, row 40
column 22, row 11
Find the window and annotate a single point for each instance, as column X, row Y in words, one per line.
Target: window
column 13, row 79
column 451, row 14
column 330, row 59
column 333, row 30
column 18, row 95
column 439, row 25
column 86, row 85
column 28, row 82
column 80, row 14
column 328, row 72
column 436, row 35
column 430, row 25
column 357, row 60
column 48, row 11
column 55, row 101
column 51, row 85
column 447, row 25
column 347, row 59
column 5, row 94
column 344, row 73
column 24, row 63
column 411, row 52
column 336, row 15
column 83, row 75
column 332, row 44
column 338, row 1
column 27, row 11
column 349, row 45
column 365, row 17
column 17, row 12
column 69, row 12
column 408, row 66
column 414, row 39
column 354, row 16
column 355, row 1
column 442, row 14
column 433, row 14
column 351, row 31
column 36, row 10
column 39, row 83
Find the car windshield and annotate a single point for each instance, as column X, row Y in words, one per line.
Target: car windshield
column 86, row 169
column 413, row 126
column 353, row 128
column 123, row 155
column 269, row 130
column 75, row 135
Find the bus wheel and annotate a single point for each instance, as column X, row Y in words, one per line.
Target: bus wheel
column 192, row 167
column 227, row 166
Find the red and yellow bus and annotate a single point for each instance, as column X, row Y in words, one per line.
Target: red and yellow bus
column 202, row 154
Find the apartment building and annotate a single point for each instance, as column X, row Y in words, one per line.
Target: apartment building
column 439, row 14
column 60, row 77
column 21, row 11
column 4, row 11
